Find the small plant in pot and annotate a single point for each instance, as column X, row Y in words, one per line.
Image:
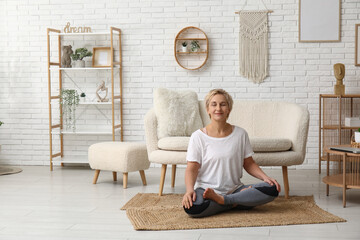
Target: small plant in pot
column 194, row 46
column 357, row 136
column 184, row 46
column 79, row 55
column 82, row 95
column 69, row 100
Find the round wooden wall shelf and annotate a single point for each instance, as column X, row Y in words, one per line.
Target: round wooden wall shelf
column 191, row 58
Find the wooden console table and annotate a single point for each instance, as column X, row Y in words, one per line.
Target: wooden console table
column 348, row 175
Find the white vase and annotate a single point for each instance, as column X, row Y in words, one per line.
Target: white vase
column 79, row 64
column 357, row 137
column 82, row 99
column 184, row 49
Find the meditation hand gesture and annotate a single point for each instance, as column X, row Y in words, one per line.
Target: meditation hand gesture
column 188, row 199
column 272, row 182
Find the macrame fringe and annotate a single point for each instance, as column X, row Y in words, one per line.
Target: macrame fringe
column 253, row 40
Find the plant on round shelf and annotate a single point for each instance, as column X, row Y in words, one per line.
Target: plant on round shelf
column 184, row 46
column 69, row 100
column 82, row 95
column 78, row 56
column 194, row 46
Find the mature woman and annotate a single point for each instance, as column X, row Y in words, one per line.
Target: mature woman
column 216, row 157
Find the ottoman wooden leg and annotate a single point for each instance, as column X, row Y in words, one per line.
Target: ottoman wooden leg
column 143, row 178
column 114, row 176
column 125, row 179
column 97, row 172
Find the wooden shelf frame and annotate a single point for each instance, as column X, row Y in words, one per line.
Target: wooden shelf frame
column 185, row 53
column 339, row 128
column 115, row 34
column 82, row 69
column 87, row 132
column 189, row 39
column 178, row 53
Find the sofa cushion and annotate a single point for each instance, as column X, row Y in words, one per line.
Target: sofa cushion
column 286, row 158
column 174, row 143
column 270, row 144
column 177, row 112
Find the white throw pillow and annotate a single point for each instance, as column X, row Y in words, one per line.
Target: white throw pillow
column 177, row 112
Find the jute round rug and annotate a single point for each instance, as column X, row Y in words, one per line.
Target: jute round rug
column 148, row 211
column 5, row 170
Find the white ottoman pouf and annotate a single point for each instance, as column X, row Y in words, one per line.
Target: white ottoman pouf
column 119, row 157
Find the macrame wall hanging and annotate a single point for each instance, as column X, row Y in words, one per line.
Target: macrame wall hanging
column 253, row 44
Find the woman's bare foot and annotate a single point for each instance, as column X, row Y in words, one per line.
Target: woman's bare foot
column 245, row 188
column 212, row 195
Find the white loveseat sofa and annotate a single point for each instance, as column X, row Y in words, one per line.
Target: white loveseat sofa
column 277, row 131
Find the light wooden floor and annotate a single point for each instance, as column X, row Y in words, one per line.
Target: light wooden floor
column 64, row 204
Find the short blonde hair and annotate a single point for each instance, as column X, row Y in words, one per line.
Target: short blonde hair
column 214, row 92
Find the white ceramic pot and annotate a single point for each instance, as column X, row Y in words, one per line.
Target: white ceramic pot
column 79, row 64
column 357, row 137
column 184, row 49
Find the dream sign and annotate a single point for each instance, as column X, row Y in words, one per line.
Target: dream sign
column 68, row 29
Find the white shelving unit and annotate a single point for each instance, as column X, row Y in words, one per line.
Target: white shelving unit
column 82, row 34
column 85, row 68
column 86, row 132
column 116, row 100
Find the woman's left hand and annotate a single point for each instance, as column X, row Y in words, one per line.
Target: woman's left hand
column 272, row 181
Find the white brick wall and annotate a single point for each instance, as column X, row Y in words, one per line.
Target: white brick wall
column 299, row 72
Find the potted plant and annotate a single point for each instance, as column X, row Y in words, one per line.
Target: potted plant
column 194, row 46
column 82, row 95
column 184, row 46
column 78, row 56
column 357, row 136
column 69, row 101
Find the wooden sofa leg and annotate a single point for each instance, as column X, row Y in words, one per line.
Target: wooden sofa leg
column 125, row 179
column 143, row 178
column 286, row 181
column 114, row 176
column 173, row 174
column 97, row 172
column 162, row 178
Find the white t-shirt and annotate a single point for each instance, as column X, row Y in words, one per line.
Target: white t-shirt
column 221, row 159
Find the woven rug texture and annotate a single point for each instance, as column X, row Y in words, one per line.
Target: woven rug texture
column 148, row 211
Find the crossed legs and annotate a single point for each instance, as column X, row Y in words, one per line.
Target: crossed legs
column 209, row 203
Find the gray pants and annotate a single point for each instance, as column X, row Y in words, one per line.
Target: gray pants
column 258, row 194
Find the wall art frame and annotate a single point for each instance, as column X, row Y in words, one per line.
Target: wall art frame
column 357, row 45
column 101, row 57
column 319, row 20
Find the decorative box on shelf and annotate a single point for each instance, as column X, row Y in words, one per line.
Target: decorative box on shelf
column 352, row 122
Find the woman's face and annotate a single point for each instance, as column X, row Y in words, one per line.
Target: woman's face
column 218, row 108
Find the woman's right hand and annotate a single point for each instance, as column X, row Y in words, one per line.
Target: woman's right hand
column 188, row 199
